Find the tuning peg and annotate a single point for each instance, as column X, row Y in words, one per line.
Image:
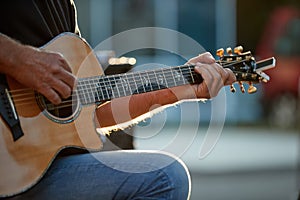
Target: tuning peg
column 252, row 89
column 242, row 87
column 232, row 89
column 220, row 52
column 238, row 50
column 229, row 51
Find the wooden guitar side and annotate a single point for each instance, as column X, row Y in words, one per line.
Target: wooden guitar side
column 23, row 162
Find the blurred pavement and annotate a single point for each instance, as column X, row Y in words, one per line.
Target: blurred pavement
column 245, row 164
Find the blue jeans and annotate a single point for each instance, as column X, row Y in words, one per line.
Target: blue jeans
column 113, row 175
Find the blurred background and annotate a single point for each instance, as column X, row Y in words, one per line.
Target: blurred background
column 255, row 153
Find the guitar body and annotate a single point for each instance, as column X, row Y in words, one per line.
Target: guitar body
column 25, row 160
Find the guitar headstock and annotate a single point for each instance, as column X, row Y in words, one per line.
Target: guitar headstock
column 245, row 67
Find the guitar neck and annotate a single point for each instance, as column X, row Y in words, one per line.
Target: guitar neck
column 102, row 88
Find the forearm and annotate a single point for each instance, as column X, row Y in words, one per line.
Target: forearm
column 10, row 51
column 126, row 109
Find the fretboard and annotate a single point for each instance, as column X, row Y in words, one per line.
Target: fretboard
column 101, row 88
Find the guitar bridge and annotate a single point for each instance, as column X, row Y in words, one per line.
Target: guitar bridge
column 8, row 111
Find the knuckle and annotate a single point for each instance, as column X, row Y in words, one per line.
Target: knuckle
column 66, row 92
column 54, row 98
column 51, row 96
column 58, row 55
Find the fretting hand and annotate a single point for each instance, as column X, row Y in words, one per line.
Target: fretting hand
column 214, row 76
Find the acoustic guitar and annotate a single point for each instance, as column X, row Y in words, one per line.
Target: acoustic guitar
column 33, row 131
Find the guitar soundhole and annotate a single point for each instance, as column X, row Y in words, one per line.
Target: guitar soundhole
column 65, row 112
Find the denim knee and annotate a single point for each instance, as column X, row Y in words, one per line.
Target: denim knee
column 177, row 175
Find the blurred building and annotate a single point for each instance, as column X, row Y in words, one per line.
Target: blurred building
column 211, row 23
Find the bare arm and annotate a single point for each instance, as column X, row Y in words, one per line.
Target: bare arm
column 127, row 108
column 45, row 72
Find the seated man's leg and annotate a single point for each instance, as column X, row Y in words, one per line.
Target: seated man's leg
column 114, row 175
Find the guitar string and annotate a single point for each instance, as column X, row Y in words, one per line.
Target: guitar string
column 114, row 78
column 32, row 98
column 107, row 77
column 30, row 92
column 98, row 79
column 66, row 103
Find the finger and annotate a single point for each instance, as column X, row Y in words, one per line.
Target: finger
column 213, row 77
column 203, row 88
column 226, row 74
column 206, row 58
column 65, row 72
column 62, row 88
column 231, row 78
column 59, row 59
column 65, row 64
column 61, row 81
column 51, row 95
column 67, row 78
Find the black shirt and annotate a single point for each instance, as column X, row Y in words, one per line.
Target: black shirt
column 35, row 22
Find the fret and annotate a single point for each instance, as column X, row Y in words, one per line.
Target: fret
column 111, row 87
column 131, row 83
column 191, row 74
column 115, row 85
column 196, row 78
column 84, row 87
column 91, row 90
column 153, row 80
column 160, row 80
column 125, row 85
column 80, row 92
column 173, row 77
column 88, row 91
column 157, row 80
column 116, row 81
column 94, row 90
column 98, row 93
column 179, row 76
column 139, row 81
column 164, row 78
column 148, row 82
column 102, row 92
column 169, row 78
column 84, row 90
column 183, row 71
column 106, row 87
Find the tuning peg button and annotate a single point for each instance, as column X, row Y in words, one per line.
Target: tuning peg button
column 220, row 52
column 242, row 87
column 252, row 89
column 229, row 51
column 238, row 50
column 232, row 89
